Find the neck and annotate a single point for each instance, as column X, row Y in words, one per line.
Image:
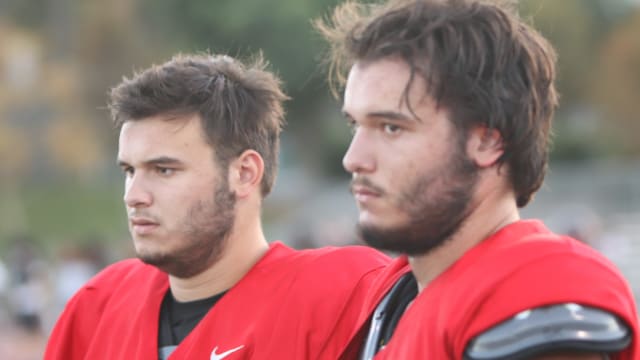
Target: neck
column 244, row 248
column 489, row 215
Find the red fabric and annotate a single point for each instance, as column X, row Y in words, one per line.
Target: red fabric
column 523, row 266
column 291, row 305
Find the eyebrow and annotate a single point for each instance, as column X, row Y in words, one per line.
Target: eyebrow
column 390, row 115
column 162, row 160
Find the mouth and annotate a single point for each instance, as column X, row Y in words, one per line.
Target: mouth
column 363, row 193
column 142, row 226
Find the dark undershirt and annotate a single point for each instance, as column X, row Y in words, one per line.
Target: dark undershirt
column 405, row 295
column 177, row 319
column 387, row 315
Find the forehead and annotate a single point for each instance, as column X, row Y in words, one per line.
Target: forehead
column 381, row 85
column 160, row 135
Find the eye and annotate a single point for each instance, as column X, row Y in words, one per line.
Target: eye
column 165, row 171
column 128, row 171
column 353, row 125
column 391, row 129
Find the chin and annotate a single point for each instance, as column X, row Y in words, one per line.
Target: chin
column 370, row 221
column 400, row 239
column 150, row 253
column 164, row 262
column 150, row 257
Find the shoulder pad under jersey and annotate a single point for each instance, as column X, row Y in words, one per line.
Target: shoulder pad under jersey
column 551, row 328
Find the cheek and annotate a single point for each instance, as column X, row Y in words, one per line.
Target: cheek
column 182, row 200
column 403, row 171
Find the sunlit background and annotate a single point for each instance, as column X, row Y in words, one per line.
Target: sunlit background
column 61, row 213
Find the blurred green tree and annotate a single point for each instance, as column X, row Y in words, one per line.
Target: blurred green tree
column 578, row 29
column 616, row 85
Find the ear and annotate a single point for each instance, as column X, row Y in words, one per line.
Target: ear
column 484, row 146
column 245, row 173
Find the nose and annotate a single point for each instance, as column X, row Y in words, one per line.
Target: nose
column 136, row 193
column 358, row 158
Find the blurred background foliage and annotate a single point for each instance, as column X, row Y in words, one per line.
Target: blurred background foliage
column 58, row 58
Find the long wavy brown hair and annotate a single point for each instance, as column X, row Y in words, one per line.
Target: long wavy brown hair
column 481, row 62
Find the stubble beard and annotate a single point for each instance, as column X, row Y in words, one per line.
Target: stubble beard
column 204, row 232
column 436, row 207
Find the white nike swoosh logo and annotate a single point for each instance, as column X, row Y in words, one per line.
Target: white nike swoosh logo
column 223, row 355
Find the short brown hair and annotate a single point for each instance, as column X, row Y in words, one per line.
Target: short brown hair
column 481, row 63
column 240, row 106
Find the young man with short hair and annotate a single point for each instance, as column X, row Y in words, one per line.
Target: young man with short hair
column 198, row 147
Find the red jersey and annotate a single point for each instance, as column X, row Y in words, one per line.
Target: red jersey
column 522, row 266
column 290, row 305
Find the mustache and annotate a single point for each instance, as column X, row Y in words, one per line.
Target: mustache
column 364, row 182
column 142, row 214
